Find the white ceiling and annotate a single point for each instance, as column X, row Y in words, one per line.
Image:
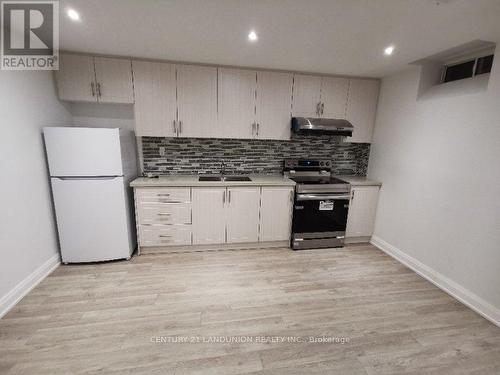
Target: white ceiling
column 326, row 36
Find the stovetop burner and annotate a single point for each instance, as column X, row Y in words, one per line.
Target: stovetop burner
column 314, row 176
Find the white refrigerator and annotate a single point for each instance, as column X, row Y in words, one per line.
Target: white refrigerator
column 90, row 171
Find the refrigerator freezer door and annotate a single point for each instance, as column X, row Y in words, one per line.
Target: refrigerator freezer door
column 81, row 152
column 92, row 219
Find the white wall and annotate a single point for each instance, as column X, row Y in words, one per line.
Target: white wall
column 98, row 115
column 28, row 239
column 439, row 161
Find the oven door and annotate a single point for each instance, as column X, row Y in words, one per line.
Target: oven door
column 319, row 217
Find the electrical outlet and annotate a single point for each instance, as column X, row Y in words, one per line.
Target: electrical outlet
column 162, row 151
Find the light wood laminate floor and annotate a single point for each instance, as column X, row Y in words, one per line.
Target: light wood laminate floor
column 104, row 318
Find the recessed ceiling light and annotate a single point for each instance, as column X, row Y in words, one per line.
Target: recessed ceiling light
column 252, row 36
column 389, row 50
column 73, row 14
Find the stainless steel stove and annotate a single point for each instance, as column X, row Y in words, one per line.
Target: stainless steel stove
column 321, row 204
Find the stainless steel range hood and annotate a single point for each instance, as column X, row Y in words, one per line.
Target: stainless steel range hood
column 329, row 126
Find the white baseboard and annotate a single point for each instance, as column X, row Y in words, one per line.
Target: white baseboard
column 8, row 301
column 455, row 290
column 225, row 246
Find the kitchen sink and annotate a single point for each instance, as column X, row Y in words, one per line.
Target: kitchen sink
column 225, row 178
column 210, row 178
column 237, row 178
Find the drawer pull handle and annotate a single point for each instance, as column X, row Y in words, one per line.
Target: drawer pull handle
column 163, row 214
column 163, row 195
column 165, row 236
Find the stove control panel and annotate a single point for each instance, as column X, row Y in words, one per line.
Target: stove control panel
column 308, row 164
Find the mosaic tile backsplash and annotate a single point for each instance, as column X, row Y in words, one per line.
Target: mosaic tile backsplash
column 196, row 155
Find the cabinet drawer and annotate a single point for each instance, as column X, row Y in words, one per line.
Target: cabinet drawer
column 172, row 235
column 163, row 195
column 164, row 213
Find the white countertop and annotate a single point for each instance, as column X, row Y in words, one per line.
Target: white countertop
column 192, row 180
column 359, row 181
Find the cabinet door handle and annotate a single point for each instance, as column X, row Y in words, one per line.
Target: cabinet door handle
column 322, row 108
column 318, row 109
column 99, row 90
column 224, row 198
column 180, row 127
column 291, row 196
column 229, row 201
column 92, row 88
column 258, row 129
column 253, row 129
column 352, row 196
column 175, row 127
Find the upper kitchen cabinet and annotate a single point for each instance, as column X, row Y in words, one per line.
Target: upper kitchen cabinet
column 306, row 95
column 94, row 79
column 75, row 78
column 334, row 97
column 196, row 101
column 175, row 100
column 274, row 105
column 315, row 96
column 236, row 103
column 155, row 99
column 114, row 80
column 361, row 109
column 254, row 104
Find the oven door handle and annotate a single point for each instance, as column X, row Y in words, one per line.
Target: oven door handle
column 316, row 197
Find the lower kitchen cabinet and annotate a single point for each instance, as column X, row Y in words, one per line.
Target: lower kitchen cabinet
column 225, row 215
column 242, row 220
column 213, row 215
column 165, row 235
column 163, row 216
column 164, row 213
column 362, row 210
column 276, row 213
column 209, row 215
